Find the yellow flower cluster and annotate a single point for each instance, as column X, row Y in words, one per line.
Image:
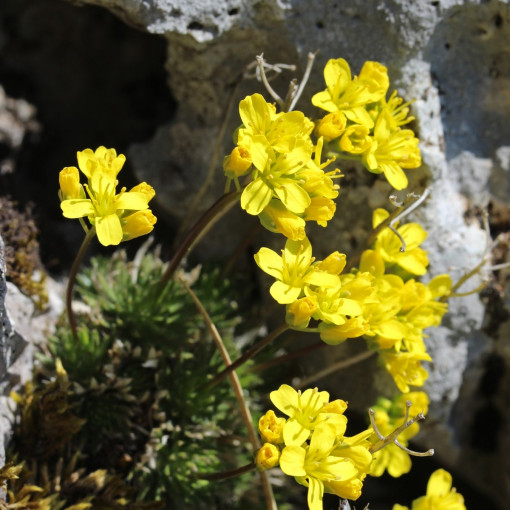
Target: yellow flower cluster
column 390, row 310
column 310, row 444
column 288, row 184
column 116, row 216
column 361, row 124
column 440, row 495
column 389, row 415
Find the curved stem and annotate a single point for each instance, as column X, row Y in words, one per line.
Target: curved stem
column 208, row 219
column 248, row 354
column 344, row 363
column 72, row 279
column 224, row 475
column 243, row 406
column 287, row 357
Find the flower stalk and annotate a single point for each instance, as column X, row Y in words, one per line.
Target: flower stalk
column 72, row 279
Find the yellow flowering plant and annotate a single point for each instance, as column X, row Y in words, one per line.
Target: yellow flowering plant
column 281, row 169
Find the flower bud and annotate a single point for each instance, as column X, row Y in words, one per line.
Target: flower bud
column 138, row 224
column 146, row 189
column 238, row 163
column 69, row 180
column 299, row 313
column 333, row 263
column 268, row 456
column 271, row 428
column 331, row 126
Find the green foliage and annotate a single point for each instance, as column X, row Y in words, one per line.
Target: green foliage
column 136, row 379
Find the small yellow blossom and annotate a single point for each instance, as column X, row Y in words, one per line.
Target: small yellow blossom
column 389, row 415
column 440, row 495
column 320, row 467
column 293, row 270
column 414, row 259
column 405, row 368
column 305, row 411
column 391, row 151
column 138, row 224
column 349, row 95
column 268, row 456
column 116, row 216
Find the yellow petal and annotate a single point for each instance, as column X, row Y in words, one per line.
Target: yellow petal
column 292, row 461
column 285, row 399
column 294, row 197
column 270, row 262
column 294, row 433
column 284, row 293
column 256, row 196
column 315, row 494
column 132, row 201
column 440, row 483
column 109, row 230
column 77, row 208
column 138, row 224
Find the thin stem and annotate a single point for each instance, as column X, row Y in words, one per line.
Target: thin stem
column 248, row 354
column 208, row 219
column 241, row 248
column 243, row 406
column 337, row 366
column 234, row 379
column 211, row 171
column 287, row 357
column 225, row 475
column 72, row 279
column 308, row 70
column 263, row 77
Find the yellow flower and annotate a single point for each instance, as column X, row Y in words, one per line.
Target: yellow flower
column 103, row 162
column 293, row 270
column 348, row 95
column 268, row 456
column 440, row 495
column 276, row 178
column 355, row 140
column 315, row 466
column 391, row 151
column 405, row 368
column 305, row 411
column 414, row 259
column 389, row 415
column 264, row 131
column 116, row 216
column 271, row 427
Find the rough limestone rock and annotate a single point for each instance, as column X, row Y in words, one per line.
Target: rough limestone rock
column 452, row 57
